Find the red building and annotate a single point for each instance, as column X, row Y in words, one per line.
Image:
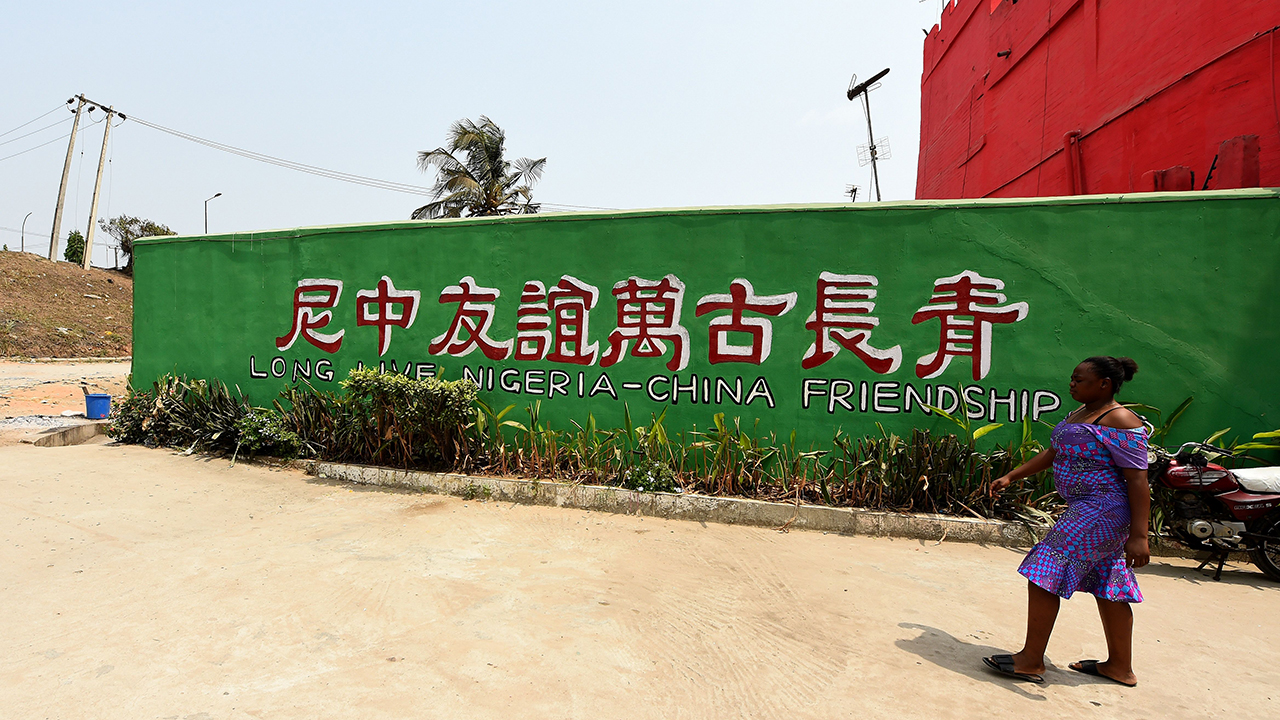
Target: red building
column 1065, row 97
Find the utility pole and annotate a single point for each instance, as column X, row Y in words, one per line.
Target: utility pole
column 864, row 89
column 97, row 187
column 66, row 171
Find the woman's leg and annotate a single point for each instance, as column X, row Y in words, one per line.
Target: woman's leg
column 1042, row 612
column 1117, row 624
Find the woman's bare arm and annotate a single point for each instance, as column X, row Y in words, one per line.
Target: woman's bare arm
column 1041, row 462
column 1136, row 551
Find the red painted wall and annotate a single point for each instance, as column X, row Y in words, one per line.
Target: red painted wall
column 1147, row 85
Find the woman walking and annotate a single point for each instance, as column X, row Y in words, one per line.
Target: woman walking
column 1099, row 459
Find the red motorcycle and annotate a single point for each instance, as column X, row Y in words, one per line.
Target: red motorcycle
column 1218, row 510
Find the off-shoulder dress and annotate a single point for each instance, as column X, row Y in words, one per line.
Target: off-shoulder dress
column 1085, row 549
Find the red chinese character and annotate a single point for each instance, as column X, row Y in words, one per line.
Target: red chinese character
column 473, row 319
column 967, row 314
column 649, row 314
column 569, row 305
column 305, row 318
column 742, row 298
column 533, row 327
column 377, row 308
column 843, row 319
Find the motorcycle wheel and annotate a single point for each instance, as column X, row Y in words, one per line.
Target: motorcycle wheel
column 1267, row 554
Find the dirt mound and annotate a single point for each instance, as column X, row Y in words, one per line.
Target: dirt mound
column 57, row 309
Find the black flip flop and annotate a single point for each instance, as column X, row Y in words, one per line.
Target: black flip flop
column 1003, row 664
column 1090, row 667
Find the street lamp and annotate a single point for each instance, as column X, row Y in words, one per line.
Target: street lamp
column 23, row 245
column 206, row 213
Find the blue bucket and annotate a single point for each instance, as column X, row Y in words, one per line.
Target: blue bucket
column 97, row 405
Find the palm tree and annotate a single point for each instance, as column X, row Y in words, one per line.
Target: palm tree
column 482, row 184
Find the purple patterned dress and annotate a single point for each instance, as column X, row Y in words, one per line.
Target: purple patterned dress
column 1085, row 548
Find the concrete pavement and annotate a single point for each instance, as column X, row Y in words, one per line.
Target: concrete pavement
column 143, row 584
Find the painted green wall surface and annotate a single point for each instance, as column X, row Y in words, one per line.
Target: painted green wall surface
column 806, row 318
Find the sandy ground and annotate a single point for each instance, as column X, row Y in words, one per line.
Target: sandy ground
column 142, row 584
column 49, row 387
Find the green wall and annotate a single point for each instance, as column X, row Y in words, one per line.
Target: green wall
column 1183, row 283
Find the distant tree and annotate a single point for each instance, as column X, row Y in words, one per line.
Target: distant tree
column 126, row 229
column 75, row 248
column 483, row 182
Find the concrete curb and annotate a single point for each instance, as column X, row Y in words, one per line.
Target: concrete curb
column 729, row 511
column 67, row 435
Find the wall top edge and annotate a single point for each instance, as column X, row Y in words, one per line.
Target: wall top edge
column 949, row 10
column 892, row 206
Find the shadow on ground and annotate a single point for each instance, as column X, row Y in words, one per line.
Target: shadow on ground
column 965, row 658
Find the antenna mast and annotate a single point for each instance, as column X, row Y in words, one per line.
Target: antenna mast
column 864, row 89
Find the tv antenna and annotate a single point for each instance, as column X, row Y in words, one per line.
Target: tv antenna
column 882, row 150
column 868, row 154
column 852, row 192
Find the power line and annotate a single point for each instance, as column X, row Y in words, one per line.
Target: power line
column 574, row 207
column 269, row 159
column 31, row 121
column 63, row 121
column 12, row 230
column 37, row 147
column 289, row 164
column 315, row 169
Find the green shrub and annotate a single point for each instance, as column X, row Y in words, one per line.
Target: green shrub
column 265, row 431
column 648, row 475
column 178, row 412
column 130, row 420
column 74, row 252
column 387, row 419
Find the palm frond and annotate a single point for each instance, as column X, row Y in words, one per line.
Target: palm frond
column 474, row 178
column 438, row 158
column 531, row 170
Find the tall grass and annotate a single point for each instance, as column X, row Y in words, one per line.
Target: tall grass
column 919, row 472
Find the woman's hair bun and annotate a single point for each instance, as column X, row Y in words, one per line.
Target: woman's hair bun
column 1129, row 366
column 1117, row 370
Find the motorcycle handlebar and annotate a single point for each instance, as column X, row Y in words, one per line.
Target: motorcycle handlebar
column 1207, row 447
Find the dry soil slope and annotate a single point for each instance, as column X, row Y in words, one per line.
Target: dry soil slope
column 57, row 309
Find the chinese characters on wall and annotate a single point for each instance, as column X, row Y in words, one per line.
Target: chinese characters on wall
column 553, row 324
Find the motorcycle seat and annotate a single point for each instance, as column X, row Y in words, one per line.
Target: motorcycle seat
column 1259, row 480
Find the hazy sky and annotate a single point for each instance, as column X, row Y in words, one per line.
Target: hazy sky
column 656, row 104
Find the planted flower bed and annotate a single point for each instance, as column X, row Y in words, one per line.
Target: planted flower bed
column 435, row 424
